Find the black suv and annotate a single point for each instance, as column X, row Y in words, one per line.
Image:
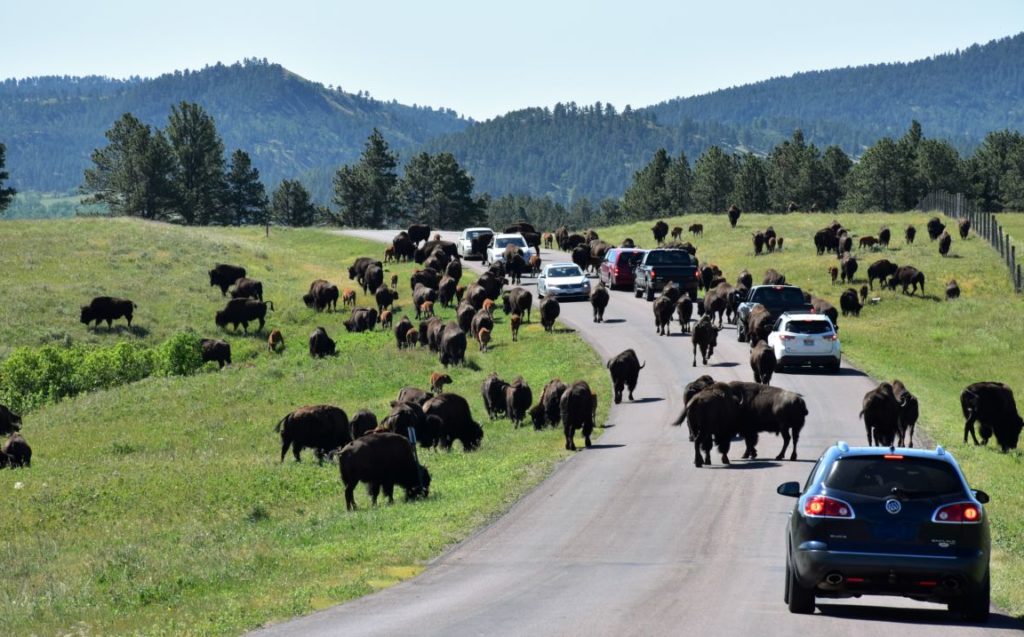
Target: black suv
column 884, row 521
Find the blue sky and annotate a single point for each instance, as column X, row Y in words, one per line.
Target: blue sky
column 486, row 58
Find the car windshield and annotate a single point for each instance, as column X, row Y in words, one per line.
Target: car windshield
column 669, row 257
column 894, row 475
column 808, row 326
column 778, row 295
column 564, row 271
column 516, row 241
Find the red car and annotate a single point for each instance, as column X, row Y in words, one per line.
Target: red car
column 617, row 268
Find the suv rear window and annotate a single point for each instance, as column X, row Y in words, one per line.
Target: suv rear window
column 629, row 258
column 778, row 296
column 808, row 327
column 875, row 476
column 669, row 257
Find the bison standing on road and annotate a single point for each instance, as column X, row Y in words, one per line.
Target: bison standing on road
column 909, row 411
column 881, row 414
column 107, row 308
column 599, row 301
column 992, row 405
column 322, row 428
column 759, row 324
column 762, row 362
column 224, row 276
column 382, row 460
column 419, row 232
column 705, row 337
column 712, row 417
column 768, row 409
column 684, row 310
column 625, row 370
column 577, row 411
column 663, row 309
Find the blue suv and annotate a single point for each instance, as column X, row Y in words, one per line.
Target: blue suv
column 888, row 521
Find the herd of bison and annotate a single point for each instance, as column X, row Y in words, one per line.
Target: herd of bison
column 382, row 453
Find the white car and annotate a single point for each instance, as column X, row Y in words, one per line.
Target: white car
column 496, row 251
column 464, row 245
column 563, row 280
column 805, row 339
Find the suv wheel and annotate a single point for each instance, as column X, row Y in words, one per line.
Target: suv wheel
column 973, row 606
column 833, row 368
column 637, row 290
column 649, row 293
column 741, row 333
column 799, row 599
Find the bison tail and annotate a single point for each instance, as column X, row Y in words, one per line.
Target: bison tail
column 861, row 414
column 135, row 306
column 644, row 364
column 281, row 424
column 270, row 304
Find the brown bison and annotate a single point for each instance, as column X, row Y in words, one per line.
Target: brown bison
column 107, row 308
column 382, row 460
column 849, row 303
column 514, row 323
column 847, row 268
column 881, row 414
column 362, row 319
column 517, row 301
column 385, row 297
column 717, row 302
column 867, row 242
column 518, row 397
column 455, row 421
column 762, row 363
column 821, row 306
column 697, row 229
column 493, row 392
column 322, row 295
column 357, row 271
column 768, row 409
column 322, row 428
column 712, row 417
column 663, row 308
column 224, row 276
column 599, row 298
column 684, row 310
column 403, row 247
column 965, row 228
column 452, row 347
column 881, row 270
column 246, row 288
column 935, row 228
column 758, row 238
column 734, row 215
column 660, row 231
column 909, row 234
column 992, row 406
column 400, row 332
column 549, row 311
column 759, row 324
column 705, row 337
column 17, row 451
column 625, row 370
column 945, row 241
column 909, row 411
column 548, row 409
column 320, row 344
column 242, row 311
column 363, row 423
column 275, row 341
column 438, row 380
column 884, row 236
column 952, row 290
column 214, row 349
column 907, row 276
column 10, row 422
column 577, row 411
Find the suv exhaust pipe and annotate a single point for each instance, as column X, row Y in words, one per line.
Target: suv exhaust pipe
column 951, row 583
column 834, row 579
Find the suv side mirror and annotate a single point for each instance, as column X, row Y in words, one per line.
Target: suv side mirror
column 980, row 496
column 790, row 489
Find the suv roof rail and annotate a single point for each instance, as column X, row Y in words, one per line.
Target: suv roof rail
column 843, row 446
column 939, row 451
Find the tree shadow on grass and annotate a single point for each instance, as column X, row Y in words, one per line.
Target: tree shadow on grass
column 120, row 330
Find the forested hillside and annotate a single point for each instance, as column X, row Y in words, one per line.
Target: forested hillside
column 288, row 125
column 958, row 96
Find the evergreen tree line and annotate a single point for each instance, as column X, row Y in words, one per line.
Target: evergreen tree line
column 892, row 175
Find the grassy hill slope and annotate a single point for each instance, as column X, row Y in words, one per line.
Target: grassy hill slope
column 936, row 347
column 159, row 508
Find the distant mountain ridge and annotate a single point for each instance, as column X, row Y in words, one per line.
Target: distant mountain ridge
column 286, row 123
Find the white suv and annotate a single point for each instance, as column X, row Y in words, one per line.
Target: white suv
column 496, row 251
column 805, row 339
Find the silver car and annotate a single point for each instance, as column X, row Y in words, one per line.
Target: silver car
column 563, row 280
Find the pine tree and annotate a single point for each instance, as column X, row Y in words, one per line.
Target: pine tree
column 367, row 193
column 937, row 166
column 417, row 188
column 877, row 181
column 291, row 205
column 679, row 185
column 837, row 165
column 199, row 153
column 750, row 188
column 713, row 180
column 646, row 197
column 6, row 194
column 246, row 197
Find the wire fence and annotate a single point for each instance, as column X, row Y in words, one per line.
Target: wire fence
column 984, row 224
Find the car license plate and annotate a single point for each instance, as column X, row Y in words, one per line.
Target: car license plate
column 808, row 341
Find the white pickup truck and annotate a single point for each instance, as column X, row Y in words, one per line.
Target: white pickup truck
column 464, row 244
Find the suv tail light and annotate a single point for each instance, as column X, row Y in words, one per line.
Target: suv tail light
column 787, row 337
column 959, row 513
column 821, row 506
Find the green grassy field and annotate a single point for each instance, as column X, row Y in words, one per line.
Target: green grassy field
column 935, row 347
column 159, row 508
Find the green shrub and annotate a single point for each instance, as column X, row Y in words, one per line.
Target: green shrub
column 180, row 355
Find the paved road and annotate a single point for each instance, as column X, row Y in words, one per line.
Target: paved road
column 629, row 538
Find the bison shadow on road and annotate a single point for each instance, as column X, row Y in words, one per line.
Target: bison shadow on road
column 745, row 464
column 647, row 399
column 607, row 446
column 613, row 321
column 725, row 364
column 935, row 616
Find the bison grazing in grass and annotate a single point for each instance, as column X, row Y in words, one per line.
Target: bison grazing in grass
column 849, row 303
column 758, row 238
column 907, row 276
column 322, row 295
column 884, row 236
column 577, row 406
column 945, row 241
column 322, row 428
column 320, row 344
column 17, row 451
column 243, row 311
column 517, row 301
column 547, row 411
column 935, row 228
column 881, row 270
column 705, row 337
column 718, row 301
column 549, row 311
column 909, row 412
column 599, row 301
column 734, row 215
column 216, row 350
column 660, row 231
column 362, row 319
column 382, row 460
column 909, row 234
column 762, row 363
column 452, row 346
column 518, row 397
column 881, row 414
column 10, row 422
column 363, row 423
column 247, row 289
column 455, row 421
column 493, row 392
column 224, row 276
column 992, row 405
column 109, row 309
column 625, row 370
column 965, row 228
column 848, row 268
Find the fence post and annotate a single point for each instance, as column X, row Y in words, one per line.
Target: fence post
column 1020, row 283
